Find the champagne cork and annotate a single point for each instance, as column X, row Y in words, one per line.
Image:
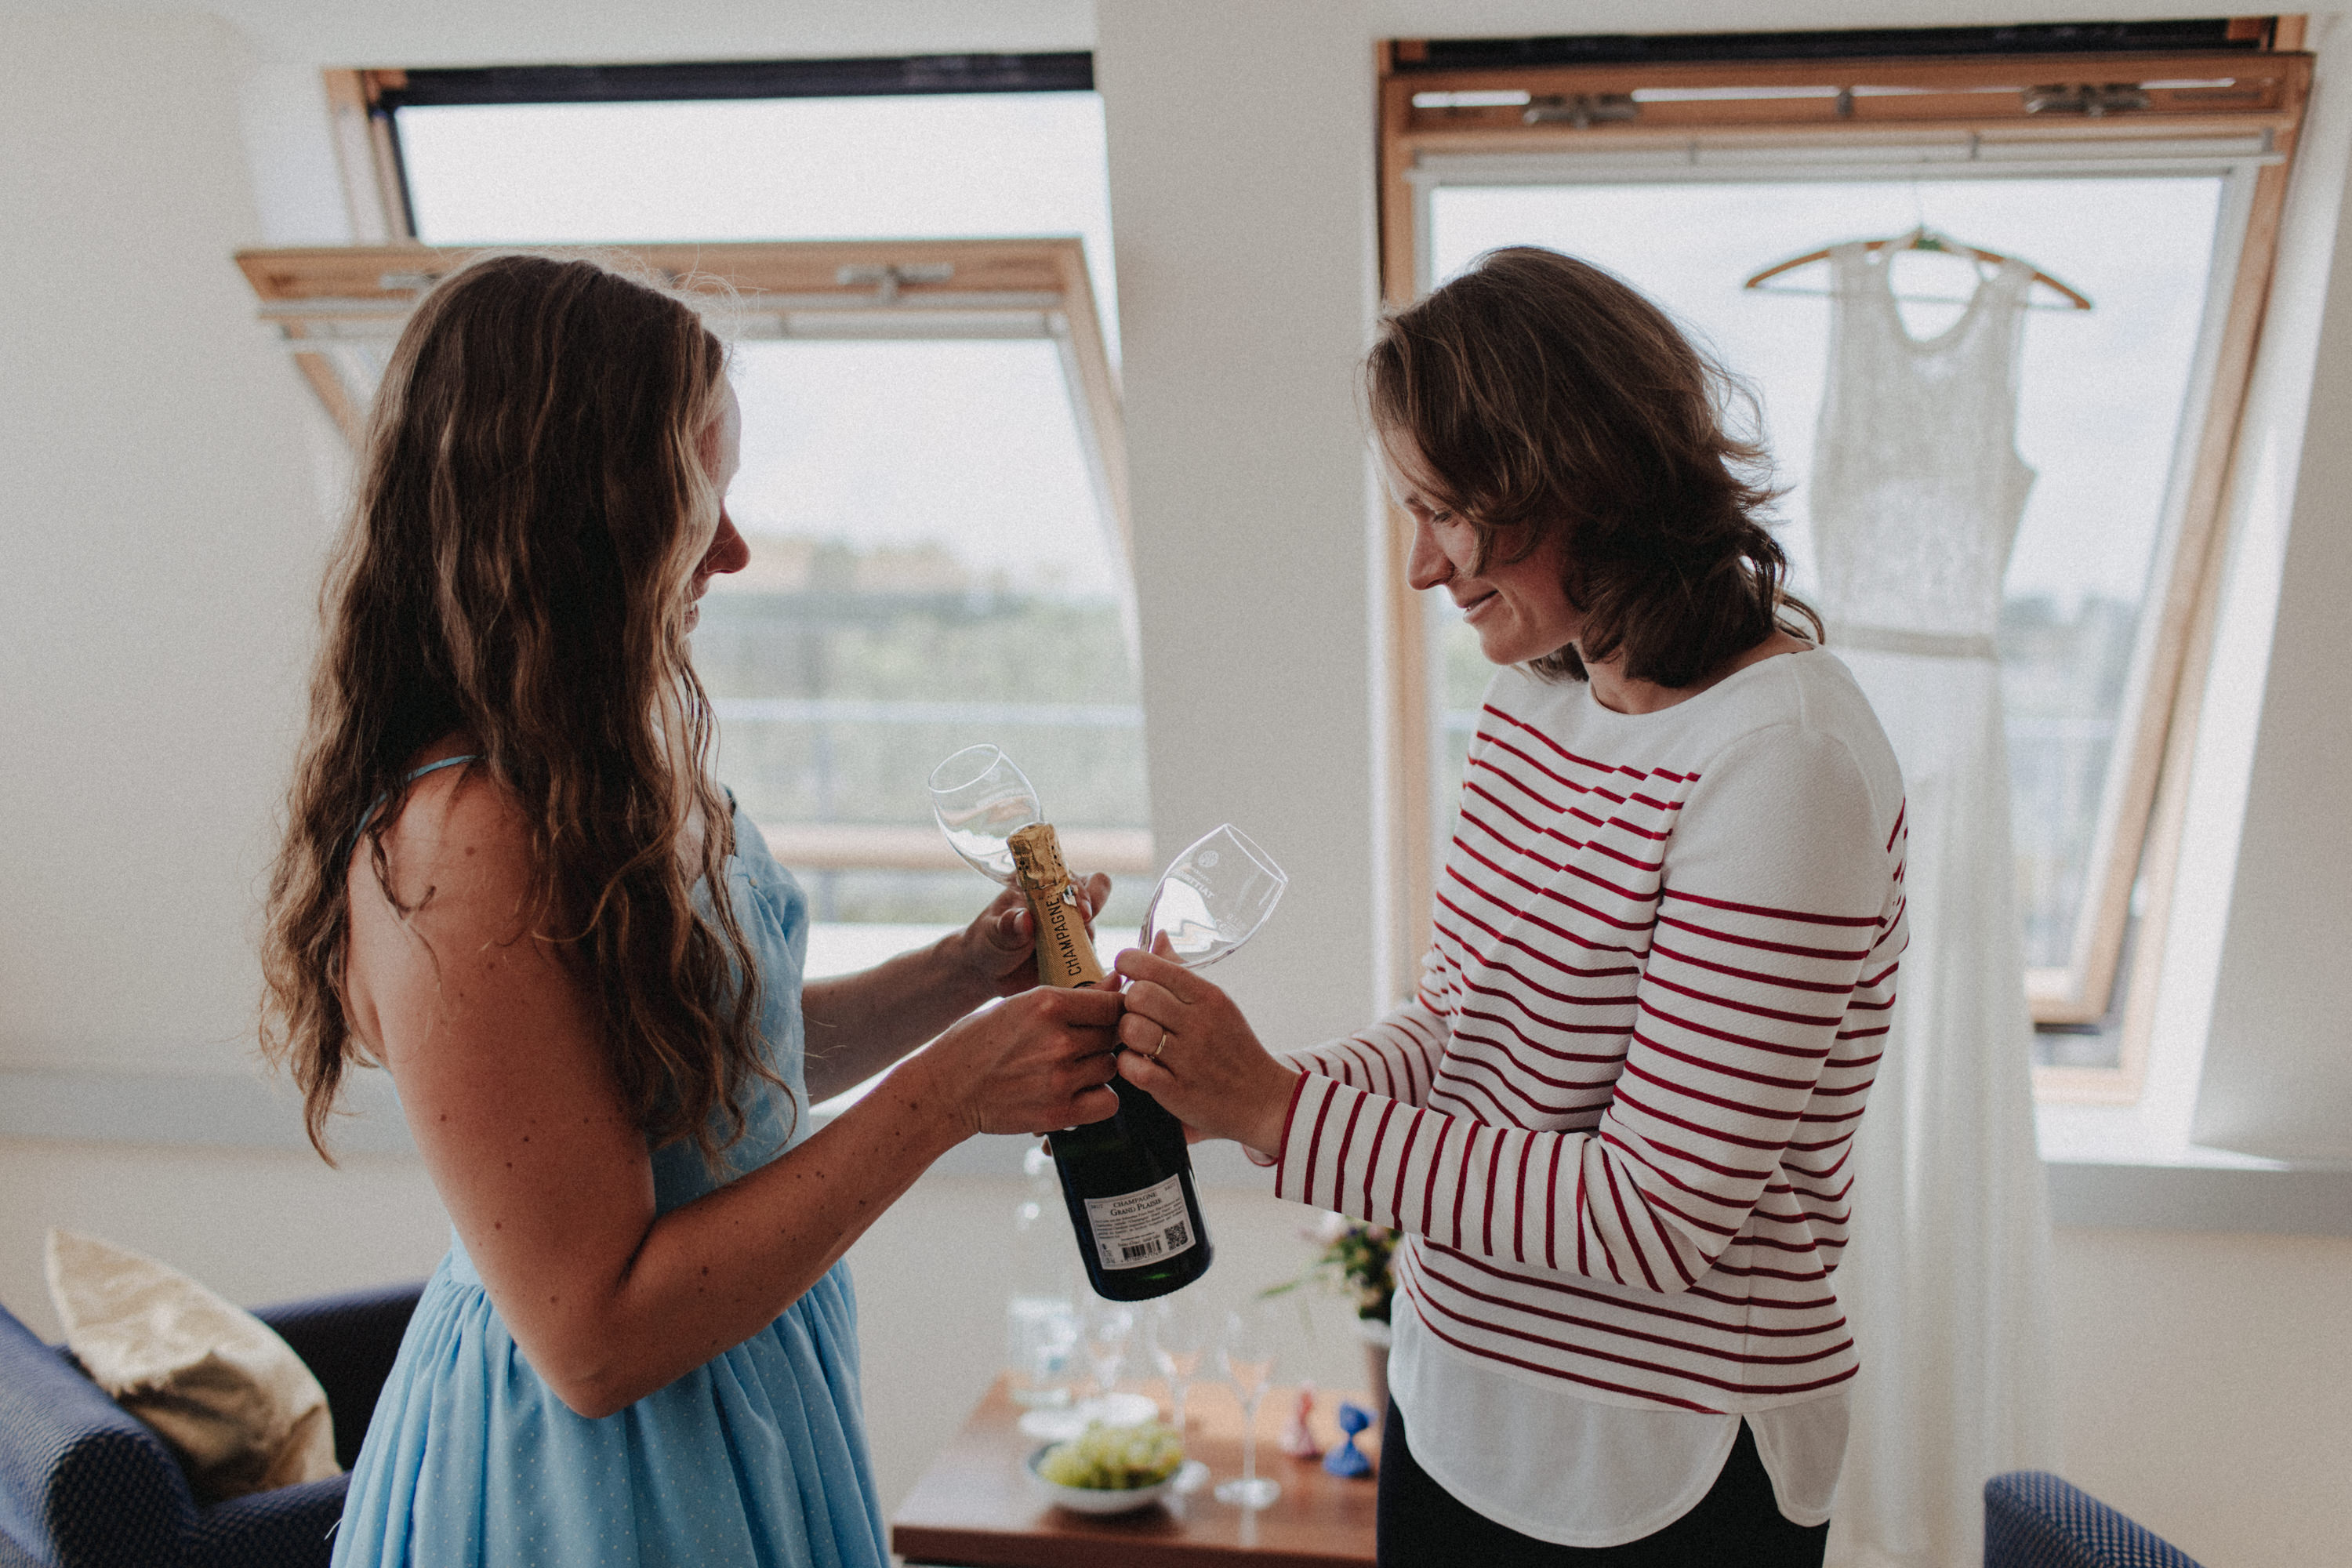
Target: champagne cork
column 1065, row 954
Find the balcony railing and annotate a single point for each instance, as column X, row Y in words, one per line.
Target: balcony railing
column 827, row 845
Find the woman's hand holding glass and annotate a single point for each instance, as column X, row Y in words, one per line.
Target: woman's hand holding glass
column 1186, row 1043
column 998, row 952
column 980, row 798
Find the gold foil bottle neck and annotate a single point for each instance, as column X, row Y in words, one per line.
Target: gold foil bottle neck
column 1065, row 954
column 1038, row 857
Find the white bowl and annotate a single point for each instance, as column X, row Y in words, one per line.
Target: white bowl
column 1095, row 1499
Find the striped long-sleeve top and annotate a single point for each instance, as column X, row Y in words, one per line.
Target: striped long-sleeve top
column 1614, row 1122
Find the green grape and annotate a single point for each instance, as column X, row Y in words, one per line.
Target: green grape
column 1115, row 1458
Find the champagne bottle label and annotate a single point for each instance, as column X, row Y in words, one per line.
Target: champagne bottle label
column 1141, row 1227
column 1065, row 956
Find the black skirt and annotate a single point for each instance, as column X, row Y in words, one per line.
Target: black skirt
column 1738, row 1524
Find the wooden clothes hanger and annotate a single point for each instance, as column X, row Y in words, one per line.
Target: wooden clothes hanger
column 1922, row 238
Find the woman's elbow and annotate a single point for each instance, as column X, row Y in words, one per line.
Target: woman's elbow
column 585, row 1377
column 595, row 1394
column 588, row 1403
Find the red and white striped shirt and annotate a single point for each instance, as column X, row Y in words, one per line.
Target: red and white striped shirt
column 1614, row 1122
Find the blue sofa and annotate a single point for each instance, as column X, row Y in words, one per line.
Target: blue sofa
column 85, row 1485
column 2033, row 1520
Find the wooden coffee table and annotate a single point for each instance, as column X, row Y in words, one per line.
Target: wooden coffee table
column 977, row 1508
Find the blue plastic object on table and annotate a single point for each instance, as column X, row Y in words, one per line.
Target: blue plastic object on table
column 1347, row 1459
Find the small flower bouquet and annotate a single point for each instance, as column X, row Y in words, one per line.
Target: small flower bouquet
column 1352, row 1258
column 1356, row 1259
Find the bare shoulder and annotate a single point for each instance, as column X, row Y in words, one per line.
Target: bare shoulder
column 462, row 884
column 460, row 849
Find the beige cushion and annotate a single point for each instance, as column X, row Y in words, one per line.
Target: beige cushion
column 214, row 1381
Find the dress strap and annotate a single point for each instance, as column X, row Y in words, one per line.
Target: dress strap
column 369, row 815
column 444, row 763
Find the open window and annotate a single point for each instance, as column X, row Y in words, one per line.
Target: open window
column 2150, row 158
column 934, row 479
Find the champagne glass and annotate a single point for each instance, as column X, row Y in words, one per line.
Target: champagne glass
column 1178, row 1339
column 980, row 800
column 1107, row 1328
column 1040, row 1332
column 1248, row 1351
column 1212, row 898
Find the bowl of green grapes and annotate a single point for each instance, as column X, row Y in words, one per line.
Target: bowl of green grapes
column 1109, row 1469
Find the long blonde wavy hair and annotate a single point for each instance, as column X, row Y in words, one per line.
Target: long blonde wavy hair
column 532, row 504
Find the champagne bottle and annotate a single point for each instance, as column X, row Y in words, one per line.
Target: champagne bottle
column 1127, row 1179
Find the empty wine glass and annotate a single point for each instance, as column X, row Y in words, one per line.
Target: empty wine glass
column 1107, row 1328
column 1212, row 898
column 1248, row 1351
column 1040, row 1332
column 980, row 799
column 1178, row 1338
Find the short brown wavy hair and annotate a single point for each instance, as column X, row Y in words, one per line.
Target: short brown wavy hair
column 532, row 503
column 1540, row 397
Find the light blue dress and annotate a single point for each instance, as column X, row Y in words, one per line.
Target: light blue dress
column 756, row 1457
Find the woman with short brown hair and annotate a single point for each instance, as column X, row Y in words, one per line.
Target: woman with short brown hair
column 1614, row 1121
column 509, row 878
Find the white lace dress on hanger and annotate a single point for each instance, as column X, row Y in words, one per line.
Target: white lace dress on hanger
column 1916, row 497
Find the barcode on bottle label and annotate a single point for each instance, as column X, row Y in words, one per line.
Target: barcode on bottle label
column 1139, row 1228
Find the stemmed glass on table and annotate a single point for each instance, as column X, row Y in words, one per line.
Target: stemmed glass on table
column 1248, row 1353
column 1212, row 899
column 1178, row 1340
column 1105, row 1330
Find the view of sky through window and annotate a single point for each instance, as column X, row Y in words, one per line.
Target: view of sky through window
column 999, row 483
column 920, row 514
column 2100, row 396
column 909, row 166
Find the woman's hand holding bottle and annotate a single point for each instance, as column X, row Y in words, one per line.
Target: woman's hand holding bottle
column 1188, row 1047
column 1037, row 1063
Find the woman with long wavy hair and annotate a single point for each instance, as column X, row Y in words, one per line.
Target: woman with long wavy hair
column 509, row 878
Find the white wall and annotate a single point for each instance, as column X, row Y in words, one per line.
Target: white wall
column 159, row 540
column 2202, row 1386
column 158, row 549
column 1244, row 243
column 2276, row 1075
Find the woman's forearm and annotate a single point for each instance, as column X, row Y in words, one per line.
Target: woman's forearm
column 714, row 1272
column 857, row 1025
column 688, row 1285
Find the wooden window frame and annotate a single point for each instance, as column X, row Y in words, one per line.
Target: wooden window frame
column 367, row 155
column 1984, row 101
column 336, row 309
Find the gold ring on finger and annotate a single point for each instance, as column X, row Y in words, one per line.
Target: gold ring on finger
column 1161, row 1047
